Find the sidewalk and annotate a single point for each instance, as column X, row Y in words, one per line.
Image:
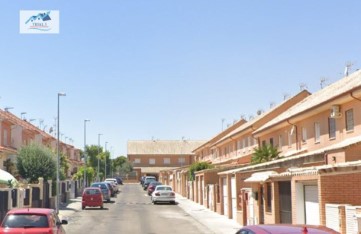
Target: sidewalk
column 215, row 222
column 67, row 210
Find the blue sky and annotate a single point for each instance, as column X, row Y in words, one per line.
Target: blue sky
column 167, row 69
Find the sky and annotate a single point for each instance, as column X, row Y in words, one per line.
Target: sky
column 169, row 69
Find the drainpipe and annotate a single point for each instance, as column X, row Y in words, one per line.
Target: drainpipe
column 351, row 94
column 256, row 138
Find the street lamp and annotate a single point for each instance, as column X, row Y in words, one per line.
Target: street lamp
column 58, row 160
column 85, row 155
column 105, row 160
column 99, row 134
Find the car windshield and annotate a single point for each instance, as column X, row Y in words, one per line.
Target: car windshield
column 26, row 221
column 164, row 188
column 92, row 191
column 102, row 186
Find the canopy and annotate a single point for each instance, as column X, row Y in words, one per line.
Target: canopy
column 6, row 176
column 260, row 177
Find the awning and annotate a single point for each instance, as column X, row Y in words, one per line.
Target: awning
column 6, row 178
column 260, row 177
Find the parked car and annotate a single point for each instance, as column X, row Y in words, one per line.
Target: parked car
column 32, row 220
column 285, row 228
column 105, row 190
column 147, row 180
column 163, row 193
column 92, row 196
column 111, row 188
column 113, row 182
column 142, row 180
column 119, row 180
column 152, row 186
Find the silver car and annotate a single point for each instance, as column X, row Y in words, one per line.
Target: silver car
column 163, row 193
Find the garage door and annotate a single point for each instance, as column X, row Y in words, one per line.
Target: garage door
column 312, row 207
column 225, row 197
column 234, row 198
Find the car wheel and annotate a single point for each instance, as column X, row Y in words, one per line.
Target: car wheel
column 108, row 200
column 101, row 207
column 83, row 207
column 172, row 202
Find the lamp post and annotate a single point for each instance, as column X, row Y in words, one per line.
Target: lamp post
column 105, row 160
column 58, row 159
column 99, row 134
column 85, row 155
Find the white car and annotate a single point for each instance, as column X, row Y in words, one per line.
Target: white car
column 163, row 193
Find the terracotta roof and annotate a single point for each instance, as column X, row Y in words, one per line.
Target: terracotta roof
column 340, row 145
column 167, row 147
column 324, row 95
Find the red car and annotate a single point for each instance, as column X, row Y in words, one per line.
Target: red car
column 152, row 186
column 32, row 220
column 285, row 228
column 92, row 196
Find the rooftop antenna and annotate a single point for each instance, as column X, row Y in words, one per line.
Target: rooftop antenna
column 22, row 115
column 348, row 68
column 271, row 104
column 243, row 116
column 259, row 111
column 322, row 82
column 223, row 119
column 41, row 121
column 8, row 108
column 285, row 96
column 303, row 86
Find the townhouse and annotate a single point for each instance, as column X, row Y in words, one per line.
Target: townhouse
column 317, row 178
column 16, row 132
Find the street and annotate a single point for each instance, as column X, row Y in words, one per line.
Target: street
column 132, row 212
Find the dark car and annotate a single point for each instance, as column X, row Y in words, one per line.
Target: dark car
column 152, row 186
column 105, row 189
column 285, row 228
column 147, row 181
column 32, row 220
column 119, row 180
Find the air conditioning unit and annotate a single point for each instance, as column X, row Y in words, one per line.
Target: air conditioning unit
column 335, row 112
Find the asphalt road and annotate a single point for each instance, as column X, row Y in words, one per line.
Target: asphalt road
column 132, row 212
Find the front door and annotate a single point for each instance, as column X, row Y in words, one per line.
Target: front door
column 285, row 201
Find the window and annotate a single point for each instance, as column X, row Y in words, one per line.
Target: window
column 167, row 160
column 271, row 141
column 137, row 160
column 317, row 132
column 151, row 161
column 5, row 137
column 304, row 135
column 181, row 161
column 290, row 139
column 269, row 197
column 280, row 141
column 349, row 120
column 332, row 128
column 239, row 144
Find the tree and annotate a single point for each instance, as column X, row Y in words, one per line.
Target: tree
column 198, row 166
column 122, row 165
column 34, row 161
column 90, row 174
column 264, row 154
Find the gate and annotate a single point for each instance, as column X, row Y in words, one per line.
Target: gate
column 46, row 194
column 4, row 198
column 35, row 201
column 14, row 196
column 27, row 197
